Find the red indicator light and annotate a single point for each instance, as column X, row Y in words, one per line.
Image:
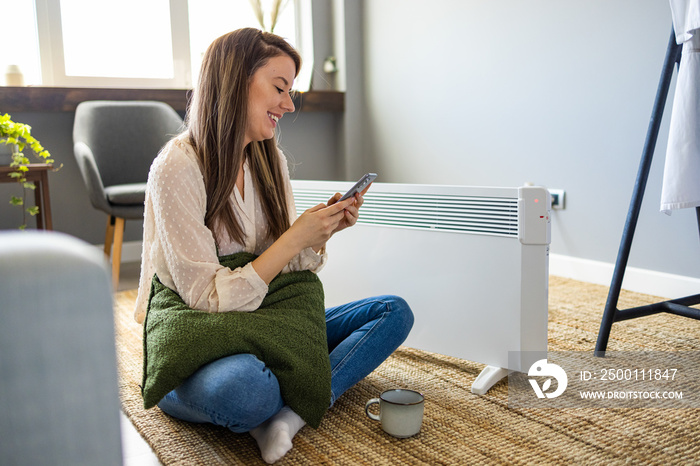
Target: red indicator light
column 536, row 201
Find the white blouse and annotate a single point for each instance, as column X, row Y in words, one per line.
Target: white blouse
column 181, row 250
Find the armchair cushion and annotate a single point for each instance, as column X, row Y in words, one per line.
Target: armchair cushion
column 126, row 194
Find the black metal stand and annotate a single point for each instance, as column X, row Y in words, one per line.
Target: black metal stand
column 680, row 306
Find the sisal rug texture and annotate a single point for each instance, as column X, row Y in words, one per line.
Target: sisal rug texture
column 458, row 427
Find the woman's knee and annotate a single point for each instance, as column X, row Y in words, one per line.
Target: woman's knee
column 238, row 392
column 400, row 313
column 244, row 377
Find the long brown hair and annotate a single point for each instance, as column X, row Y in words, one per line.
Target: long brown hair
column 217, row 120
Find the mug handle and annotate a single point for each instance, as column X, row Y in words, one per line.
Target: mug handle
column 370, row 415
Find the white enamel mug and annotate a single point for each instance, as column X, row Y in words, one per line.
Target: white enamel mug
column 400, row 412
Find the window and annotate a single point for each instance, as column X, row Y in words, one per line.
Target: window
column 21, row 30
column 138, row 43
column 230, row 15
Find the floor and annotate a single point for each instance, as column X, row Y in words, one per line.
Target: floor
column 135, row 450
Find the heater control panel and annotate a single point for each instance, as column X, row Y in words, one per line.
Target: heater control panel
column 534, row 215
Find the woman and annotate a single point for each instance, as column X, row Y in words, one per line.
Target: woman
column 223, row 187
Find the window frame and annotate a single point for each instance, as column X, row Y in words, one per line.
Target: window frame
column 51, row 53
column 53, row 73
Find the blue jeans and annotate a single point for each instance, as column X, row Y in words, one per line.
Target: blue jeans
column 239, row 392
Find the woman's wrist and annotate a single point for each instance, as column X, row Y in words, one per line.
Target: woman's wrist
column 276, row 257
column 291, row 243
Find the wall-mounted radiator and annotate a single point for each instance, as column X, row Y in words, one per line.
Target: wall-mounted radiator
column 472, row 262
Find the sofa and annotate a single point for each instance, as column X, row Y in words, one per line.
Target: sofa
column 59, row 401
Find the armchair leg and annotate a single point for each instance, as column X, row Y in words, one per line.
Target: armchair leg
column 109, row 236
column 117, row 253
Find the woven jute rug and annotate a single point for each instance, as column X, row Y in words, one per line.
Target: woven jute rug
column 458, row 427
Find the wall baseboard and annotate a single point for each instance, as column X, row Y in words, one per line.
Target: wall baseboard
column 645, row 281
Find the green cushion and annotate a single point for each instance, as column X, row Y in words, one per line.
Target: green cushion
column 287, row 333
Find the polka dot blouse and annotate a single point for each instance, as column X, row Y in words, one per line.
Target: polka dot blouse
column 181, row 250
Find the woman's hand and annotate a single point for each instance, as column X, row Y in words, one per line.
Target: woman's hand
column 351, row 213
column 316, row 225
column 312, row 229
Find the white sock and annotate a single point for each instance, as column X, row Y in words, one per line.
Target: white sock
column 275, row 435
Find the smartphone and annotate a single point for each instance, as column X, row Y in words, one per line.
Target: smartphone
column 359, row 186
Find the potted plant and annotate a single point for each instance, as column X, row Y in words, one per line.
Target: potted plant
column 17, row 136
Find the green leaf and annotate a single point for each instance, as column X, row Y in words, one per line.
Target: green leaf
column 19, row 136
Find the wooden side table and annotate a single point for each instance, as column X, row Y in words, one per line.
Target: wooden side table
column 39, row 174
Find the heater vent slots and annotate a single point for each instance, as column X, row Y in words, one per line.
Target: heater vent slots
column 437, row 212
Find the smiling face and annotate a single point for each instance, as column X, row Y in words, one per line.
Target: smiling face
column 268, row 97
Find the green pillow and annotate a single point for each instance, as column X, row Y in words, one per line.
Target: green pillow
column 287, row 333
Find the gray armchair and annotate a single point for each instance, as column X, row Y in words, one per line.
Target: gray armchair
column 115, row 143
column 59, row 401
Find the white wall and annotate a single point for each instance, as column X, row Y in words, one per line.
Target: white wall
column 558, row 93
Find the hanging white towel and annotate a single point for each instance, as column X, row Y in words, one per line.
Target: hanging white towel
column 681, row 184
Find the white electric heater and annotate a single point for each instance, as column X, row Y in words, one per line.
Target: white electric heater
column 472, row 262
